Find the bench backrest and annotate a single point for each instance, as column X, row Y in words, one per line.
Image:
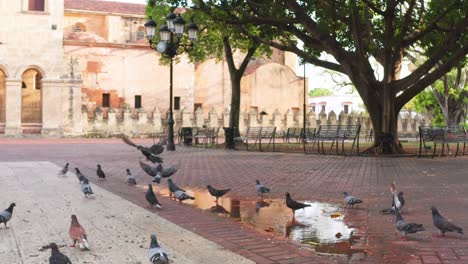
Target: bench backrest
column 268, row 132
column 253, row 132
column 427, row 134
column 294, row 132
column 328, row 131
column 349, row 131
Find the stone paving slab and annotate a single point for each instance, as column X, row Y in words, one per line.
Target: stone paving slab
column 118, row 230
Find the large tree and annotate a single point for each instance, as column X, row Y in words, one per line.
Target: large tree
column 220, row 41
column 355, row 32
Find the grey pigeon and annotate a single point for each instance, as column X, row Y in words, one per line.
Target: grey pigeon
column 6, row 214
column 293, row 205
column 217, row 193
column 182, row 195
column 57, row 257
column 156, row 254
column 351, row 200
column 150, row 170
column 86, row 188
column 442, row 224
column 130, row 179
column 100, row 173
column 150, row 153
column 164, row 173
column 260, row 188
column 151, row 197
column 80, row 176
column 405, row 227
column 64, row 170
column 172, row 187
column 398, row 201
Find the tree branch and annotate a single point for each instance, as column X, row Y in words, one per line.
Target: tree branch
column 373, row 7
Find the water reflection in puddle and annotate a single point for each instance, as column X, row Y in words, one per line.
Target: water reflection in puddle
column 320, row 225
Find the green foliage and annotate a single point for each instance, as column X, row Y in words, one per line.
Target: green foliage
column 426, row 103
column 320, row 92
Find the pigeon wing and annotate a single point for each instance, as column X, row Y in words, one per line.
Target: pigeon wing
column 129, row 142
column 156, row 149
column 148, row 169
column 168, row 172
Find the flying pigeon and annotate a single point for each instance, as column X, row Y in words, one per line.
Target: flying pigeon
column 63, row 171
column 261, row 189
column 398, row 201
column 86, row 188
column 350, row 200
column 150, row 153
column 6, row 214
column 100, row 173
column 80, row 176
column 57, row 257
column 150, row 170
column 405, row 227
column 130, row 179
column 156, row 254
column 442, row 224
column 182, row 195
column 78, row 234
column 151, row 197
column 217, row 193
column 293, row 205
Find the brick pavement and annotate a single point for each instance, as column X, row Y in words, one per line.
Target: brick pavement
column 441, row 182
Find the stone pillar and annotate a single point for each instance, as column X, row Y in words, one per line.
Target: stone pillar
column 199, row 119
column 213, row 118
column 84, row 120
column 332, row 118
column 323, row 118
column 277, row 121
column 226, row 118
column 312, row 120
column 187, row 118
column 13, row 107
column 289, row 119
column 157, row 123
column 253, row 122
column 52, row 113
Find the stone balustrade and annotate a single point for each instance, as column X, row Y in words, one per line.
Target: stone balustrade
column 139, row 123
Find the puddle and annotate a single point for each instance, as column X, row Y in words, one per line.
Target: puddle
column 321, row 225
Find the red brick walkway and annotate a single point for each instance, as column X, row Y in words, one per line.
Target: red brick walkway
column 441, row 182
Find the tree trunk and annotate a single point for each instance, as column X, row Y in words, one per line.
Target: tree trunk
column 234, row 114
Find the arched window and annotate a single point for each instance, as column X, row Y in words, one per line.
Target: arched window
column 79, row 27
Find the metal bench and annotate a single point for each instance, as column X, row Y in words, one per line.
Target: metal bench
column 292, row 132
column 208, row 135
column 444, row 136
column 335, row 134
column 257, row 134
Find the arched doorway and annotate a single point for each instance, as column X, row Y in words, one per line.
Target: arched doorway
column 31, row 106
column 2, row 101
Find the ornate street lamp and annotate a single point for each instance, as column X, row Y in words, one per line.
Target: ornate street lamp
column 170, row 45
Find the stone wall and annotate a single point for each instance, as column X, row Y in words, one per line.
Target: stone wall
column 139, row 123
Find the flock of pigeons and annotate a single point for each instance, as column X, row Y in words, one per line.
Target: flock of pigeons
column 157, row 255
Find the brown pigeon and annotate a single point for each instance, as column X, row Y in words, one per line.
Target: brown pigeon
column 78, row 234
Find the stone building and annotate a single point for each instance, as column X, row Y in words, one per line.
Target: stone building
column 59, row 56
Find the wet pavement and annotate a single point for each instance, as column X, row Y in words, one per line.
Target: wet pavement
column 425, row 182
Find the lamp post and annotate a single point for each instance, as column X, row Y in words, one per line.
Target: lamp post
column 170, row 36
column 304, row 120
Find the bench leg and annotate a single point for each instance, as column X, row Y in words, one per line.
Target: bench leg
column 434, row 152
column 458, row 147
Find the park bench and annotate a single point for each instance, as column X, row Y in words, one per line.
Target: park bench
column 293, row 132
column 206, row 135
column 257, row 134
column 444, row 136
column 335, row 134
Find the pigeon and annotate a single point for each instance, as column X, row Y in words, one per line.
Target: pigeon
column 405, row 227
column 293, row 205
column 130, row 179
column 150, row 153
column 63, row 171
column 217, row 193
column 78, row 234
column 80, row 176
column 164, row 173
column 172, row 187
column 182, row 195
column 350, row 200
column 86, row 188
column 442, row 224
column 150, row 170
column 151, row 197
column 6, row 214
column 57, row 257
column 156, row 254
column 261, row 189
column 100, row 173
column 398, row 201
